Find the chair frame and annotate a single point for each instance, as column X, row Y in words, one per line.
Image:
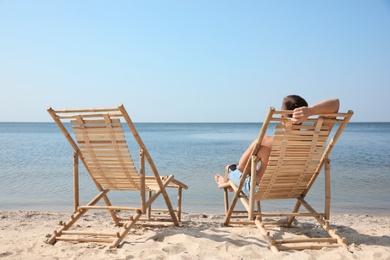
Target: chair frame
column 150, row 187
column 339, row 121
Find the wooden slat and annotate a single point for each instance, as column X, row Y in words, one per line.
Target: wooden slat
column 104, row 148
column 85, row 239
column 84, row 233
column 307, row 246
column 295, row 154
column 93, row 129
column 100, row 121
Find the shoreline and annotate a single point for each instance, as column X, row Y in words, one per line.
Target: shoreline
column 335, row 209
column 201, row 236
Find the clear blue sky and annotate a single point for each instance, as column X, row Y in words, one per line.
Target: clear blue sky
column 193, row 61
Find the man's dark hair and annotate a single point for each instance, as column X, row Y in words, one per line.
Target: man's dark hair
column 292, row 102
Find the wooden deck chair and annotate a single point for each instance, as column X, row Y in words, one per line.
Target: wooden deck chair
column 298, row 154
column 99, row 142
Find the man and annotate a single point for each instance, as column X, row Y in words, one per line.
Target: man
column 301, row 112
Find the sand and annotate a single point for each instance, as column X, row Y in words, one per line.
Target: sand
column 202, row 236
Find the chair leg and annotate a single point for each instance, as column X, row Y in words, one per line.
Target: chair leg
column 296, row 209
column 112, row 212
column 233, row 203
column 149, row 210
column 107, row 202
column 327, row 189
column 226, row 197
column 126, row 228
column 259, row 211
column 266, row 234
column 179, row 195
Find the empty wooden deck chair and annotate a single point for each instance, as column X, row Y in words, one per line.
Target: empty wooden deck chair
column 98, row 140
column 298, row 154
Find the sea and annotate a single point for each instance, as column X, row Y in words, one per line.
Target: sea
column 36, row 166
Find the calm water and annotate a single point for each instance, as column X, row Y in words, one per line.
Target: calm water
column 36, row 165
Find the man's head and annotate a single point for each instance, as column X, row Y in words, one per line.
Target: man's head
column 292, row 102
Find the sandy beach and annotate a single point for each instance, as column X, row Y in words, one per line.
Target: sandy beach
column 201, row 236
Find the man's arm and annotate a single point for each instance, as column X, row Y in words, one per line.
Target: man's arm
column 324, row 107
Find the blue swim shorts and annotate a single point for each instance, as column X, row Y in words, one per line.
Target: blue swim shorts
column 235, row 177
